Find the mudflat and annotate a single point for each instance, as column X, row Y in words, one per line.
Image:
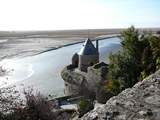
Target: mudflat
column 24, row 43
column 20, row 44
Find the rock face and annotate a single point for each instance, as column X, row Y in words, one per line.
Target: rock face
column 78, row 82
column 74, row 81
column 142, row 102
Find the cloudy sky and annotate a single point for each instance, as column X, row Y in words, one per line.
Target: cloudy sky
column 78, row 14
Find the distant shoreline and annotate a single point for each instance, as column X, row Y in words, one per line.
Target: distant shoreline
column 17, row 52
column 101, row 38
column 27, row 43
column 22, row 47
column 67, row 33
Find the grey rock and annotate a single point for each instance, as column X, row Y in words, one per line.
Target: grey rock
column 77, row 82
column 141, row 102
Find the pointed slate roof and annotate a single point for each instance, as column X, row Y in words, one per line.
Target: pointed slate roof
column 88, row 48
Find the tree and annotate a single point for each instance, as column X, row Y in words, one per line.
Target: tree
column 139, row 57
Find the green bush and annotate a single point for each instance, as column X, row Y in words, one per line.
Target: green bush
column 139, row 57
column 113, row 86
column 84, row 106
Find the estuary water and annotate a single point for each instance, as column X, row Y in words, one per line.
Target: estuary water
column 42, row 71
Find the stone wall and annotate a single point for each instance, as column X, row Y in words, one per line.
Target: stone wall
column 78, row 82
column 73, row 81
column 87, row 60
column 96, row 74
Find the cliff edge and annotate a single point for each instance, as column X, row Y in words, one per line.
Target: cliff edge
column 141, row 102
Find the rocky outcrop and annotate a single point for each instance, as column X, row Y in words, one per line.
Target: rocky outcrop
column 142, row 102
column 78, row 82
column 74, row 81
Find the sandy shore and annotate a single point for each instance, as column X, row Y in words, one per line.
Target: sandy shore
column 20, row 47
column 25, row 43
column 22, row 44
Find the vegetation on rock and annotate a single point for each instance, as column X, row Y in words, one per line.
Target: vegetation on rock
column 84, row 106
column 139, row 57
column 140, row 102
column 34, row 107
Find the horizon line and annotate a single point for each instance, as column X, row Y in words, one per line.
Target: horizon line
column 116, row 28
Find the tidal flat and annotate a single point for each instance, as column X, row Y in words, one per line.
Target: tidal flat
column 32, row 59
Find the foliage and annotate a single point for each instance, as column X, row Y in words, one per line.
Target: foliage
column 102, row 95
column 112, row 86
column 9, row 99
column 155, row 47
column 36, row 108
column 118, row 70
column 84, row 106
column 140, row 57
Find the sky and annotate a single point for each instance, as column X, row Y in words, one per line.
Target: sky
column 77, row 14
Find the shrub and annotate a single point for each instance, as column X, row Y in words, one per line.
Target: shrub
column 9, row 100
column 36, row 108
column 112, row 86
column 139, row 57
column 84, row 106
column 102, row 95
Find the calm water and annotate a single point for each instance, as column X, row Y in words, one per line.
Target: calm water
column 42, row 72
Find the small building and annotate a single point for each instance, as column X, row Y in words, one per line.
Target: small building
column 87, row 56
column 81, row 77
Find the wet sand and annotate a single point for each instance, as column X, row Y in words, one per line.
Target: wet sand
column 13, row 45
column 21, row 47
column 28, row 43
column 21, row 44
column 42, row 72
column 25, row 43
